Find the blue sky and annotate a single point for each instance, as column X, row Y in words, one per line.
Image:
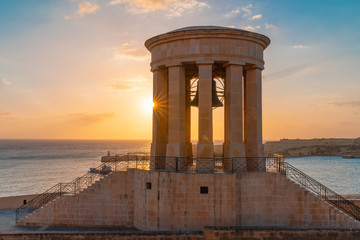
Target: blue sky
column 78, row 69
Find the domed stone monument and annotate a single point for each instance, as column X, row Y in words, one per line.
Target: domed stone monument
column 205, row 53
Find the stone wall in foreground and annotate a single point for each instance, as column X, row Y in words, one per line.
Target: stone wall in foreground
column 152, row 200
column 206, row 234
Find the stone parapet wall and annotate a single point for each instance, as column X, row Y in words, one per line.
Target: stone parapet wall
column 153, row 200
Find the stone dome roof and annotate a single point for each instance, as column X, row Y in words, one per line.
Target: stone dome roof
column 203, row 28
column 205, row 31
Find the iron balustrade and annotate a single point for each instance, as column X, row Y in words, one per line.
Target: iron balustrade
column 191, row 165
column 319, row 189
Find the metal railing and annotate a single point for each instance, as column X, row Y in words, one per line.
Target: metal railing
column 214, row 165
column 319, row 189
column 80, row 183
column 191, row 165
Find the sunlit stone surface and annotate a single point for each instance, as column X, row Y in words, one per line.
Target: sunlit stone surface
column 238, row 55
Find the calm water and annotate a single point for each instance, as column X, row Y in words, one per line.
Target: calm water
column 33, row 166
column 339, row 174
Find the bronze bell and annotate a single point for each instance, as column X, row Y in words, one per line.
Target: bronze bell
column 215, row 101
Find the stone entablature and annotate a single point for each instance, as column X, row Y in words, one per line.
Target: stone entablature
column 207, row 44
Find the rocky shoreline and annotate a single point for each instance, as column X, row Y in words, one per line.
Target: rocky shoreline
column 343, row 147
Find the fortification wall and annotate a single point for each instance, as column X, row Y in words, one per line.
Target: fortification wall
column 151, row 200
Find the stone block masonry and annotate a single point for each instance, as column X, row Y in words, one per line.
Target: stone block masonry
column 163, row 201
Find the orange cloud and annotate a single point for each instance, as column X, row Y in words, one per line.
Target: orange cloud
column 173, row 7
column 131, row 50
column 2, row 113
column 354, row 103
column 87, row 8
column 5, row 81
column 127, row 85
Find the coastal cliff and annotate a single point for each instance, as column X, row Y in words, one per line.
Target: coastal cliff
column 314, row 147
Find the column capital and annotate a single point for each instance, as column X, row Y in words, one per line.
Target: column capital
column 173, row 64
column 158, row 68
column 254, row 66
column 204, row 62
column 241, row 63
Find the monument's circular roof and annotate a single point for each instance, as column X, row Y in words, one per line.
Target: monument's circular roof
column 203, row 28
column 204, row 31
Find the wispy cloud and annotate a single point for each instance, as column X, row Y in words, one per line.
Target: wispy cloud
column 258, row 16
column 130, row 50
column 87, row 8
column 174, row 8
column 353, row 103
column 270, row 26
column 290, row 72
column 127, row 85
column 5, row 81
column 2, row 113
column 246, row 11
column 233, row 12
column 250, row 28
column 91, row 117
column 300, row 46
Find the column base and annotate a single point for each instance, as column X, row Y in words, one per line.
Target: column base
column 234, row 150
column 205, row 150
column 205, row 158
column 158, row 149
column 189, row 154
column 234, row 157
column 254, row 149
column 255, row 160
column 176, row 156
column 157, row 156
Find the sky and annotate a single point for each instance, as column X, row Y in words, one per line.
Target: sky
column 75, row 69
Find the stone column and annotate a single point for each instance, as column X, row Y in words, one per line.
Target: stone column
column 176, row 146
column 234, row 148
column 160, row 119
column 205, row 146
column 253, row 119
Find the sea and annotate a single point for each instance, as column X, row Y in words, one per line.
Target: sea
column 33, row 166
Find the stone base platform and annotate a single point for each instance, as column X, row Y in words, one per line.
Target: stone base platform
column 168, row 201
